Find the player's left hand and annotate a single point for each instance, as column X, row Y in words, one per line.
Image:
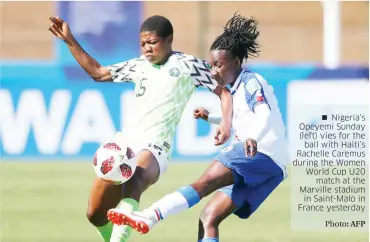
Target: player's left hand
column 250, row 147
column 222, row 133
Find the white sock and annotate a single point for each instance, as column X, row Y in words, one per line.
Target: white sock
column 173, row 203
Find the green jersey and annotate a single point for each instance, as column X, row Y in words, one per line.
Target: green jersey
column 161, row 94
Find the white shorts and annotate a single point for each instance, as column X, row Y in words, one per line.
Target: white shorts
column 159, row 151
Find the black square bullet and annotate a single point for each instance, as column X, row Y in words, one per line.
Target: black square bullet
column 324, row 117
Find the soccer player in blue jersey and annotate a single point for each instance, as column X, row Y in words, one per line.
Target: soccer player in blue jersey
column 243, row 178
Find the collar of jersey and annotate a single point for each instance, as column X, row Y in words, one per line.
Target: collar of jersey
column 157, row 66
column 160, row 66
column 236, row 85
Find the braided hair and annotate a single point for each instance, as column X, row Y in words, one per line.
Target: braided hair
column 239, row 38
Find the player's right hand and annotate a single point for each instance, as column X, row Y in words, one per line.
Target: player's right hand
column 222, row 134
column 60, row 29
column 250, row 147
column 201, row 113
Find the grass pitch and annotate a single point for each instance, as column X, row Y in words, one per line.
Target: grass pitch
column 46, row 202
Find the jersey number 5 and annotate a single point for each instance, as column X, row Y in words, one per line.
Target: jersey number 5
column 142, row 88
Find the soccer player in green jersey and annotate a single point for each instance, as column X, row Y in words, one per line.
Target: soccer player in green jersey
column 164, row 82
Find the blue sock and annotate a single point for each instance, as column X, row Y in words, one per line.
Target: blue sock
column 191, row 196
column 174, row 203
column 208, row 240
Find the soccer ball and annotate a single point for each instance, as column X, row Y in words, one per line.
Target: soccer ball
column 114, row 163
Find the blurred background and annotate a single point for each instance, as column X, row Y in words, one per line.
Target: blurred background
column 53, row 116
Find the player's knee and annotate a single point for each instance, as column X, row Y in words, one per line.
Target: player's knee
column 209, row 217
column 203, row 186
column 90, row 215
column 95, row 218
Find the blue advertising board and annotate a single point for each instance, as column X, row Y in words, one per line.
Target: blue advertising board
column 55, row 111
column 62, row 119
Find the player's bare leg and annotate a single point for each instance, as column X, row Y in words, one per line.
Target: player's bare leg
column 216, row 210
column 146, row 174
column 215, row 177
column 105, row 196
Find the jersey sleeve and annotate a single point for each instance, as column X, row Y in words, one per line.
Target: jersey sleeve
column 254, row 93
column 199, row 71
column 126, row 71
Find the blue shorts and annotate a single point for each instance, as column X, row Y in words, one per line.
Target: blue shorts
column 254, row 178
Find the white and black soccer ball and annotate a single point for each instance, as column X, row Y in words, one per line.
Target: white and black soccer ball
column 114, row 163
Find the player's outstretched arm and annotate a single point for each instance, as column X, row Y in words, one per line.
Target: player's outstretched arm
column 201, row 75
column 61, row 30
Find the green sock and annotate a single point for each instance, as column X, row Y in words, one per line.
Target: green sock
column 105, row 231
column 123, row 232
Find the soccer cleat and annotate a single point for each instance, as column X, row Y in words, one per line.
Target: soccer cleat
column 139, row 221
